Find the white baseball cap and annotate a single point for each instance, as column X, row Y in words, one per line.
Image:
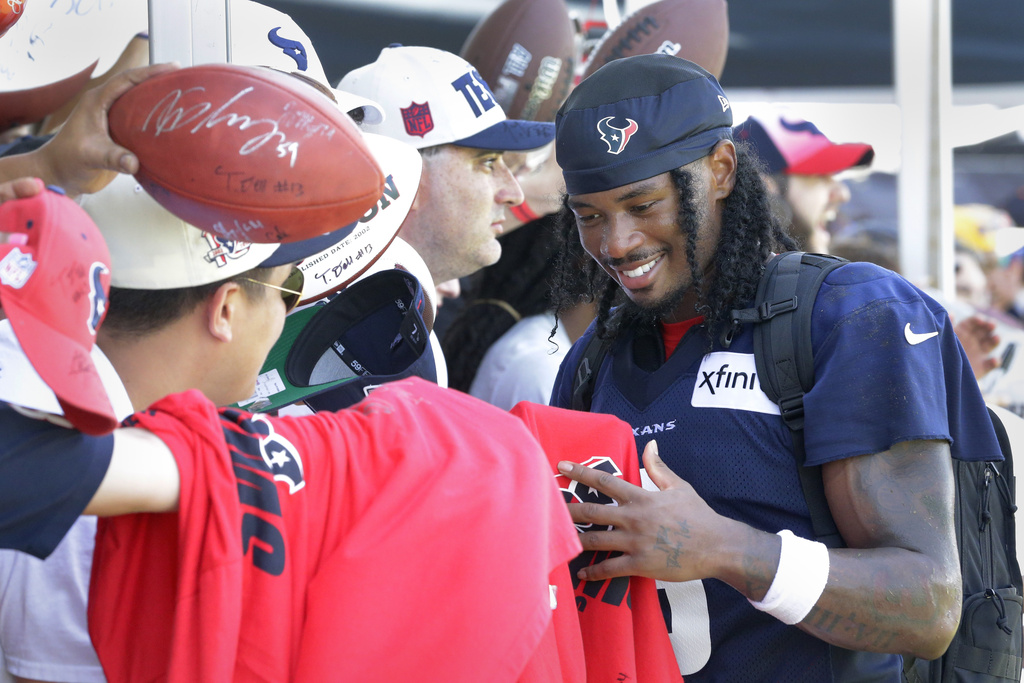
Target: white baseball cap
column 151, row 248
column 263, row 36
column 432, row 97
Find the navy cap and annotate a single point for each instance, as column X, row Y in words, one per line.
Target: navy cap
column 332, row 354
column 638, row 117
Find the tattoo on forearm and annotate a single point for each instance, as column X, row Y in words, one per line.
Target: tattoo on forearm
column 863, row 634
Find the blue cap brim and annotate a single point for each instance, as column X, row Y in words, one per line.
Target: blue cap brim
column 292, row 252
column 332, row 355
column 511, row 135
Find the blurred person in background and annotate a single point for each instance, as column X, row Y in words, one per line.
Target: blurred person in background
column 800, row 165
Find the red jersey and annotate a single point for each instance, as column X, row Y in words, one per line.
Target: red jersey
column 408, row 538
column 624, row 633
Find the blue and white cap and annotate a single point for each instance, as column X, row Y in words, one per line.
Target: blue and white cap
column 638, row 117
column 432, row 97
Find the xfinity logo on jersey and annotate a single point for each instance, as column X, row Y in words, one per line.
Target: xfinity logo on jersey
column 292, row 48
column 729, row 381
column 223, row 249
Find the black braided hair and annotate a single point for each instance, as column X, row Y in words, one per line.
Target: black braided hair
column 519, row 282
column 750, row 234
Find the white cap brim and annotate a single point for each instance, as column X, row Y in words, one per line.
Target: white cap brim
column 373, row 113
column 334, row 268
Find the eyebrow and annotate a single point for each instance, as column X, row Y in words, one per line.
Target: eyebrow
column 638, row 191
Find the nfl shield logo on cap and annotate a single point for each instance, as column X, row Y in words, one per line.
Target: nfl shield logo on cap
column 417, row 119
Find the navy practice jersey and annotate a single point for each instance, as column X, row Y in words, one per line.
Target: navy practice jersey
column 48, row 474
column 888, row 369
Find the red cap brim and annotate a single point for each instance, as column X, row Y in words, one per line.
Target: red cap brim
column 833, row 159
column 66, row 367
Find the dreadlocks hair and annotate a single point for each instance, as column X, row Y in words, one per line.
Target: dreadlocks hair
column 750, row 234
column 515, row 287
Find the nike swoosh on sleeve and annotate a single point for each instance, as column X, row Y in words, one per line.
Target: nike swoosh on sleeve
column 914, row 338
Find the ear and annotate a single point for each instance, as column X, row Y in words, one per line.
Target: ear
column 222, row 310
column 723, row 169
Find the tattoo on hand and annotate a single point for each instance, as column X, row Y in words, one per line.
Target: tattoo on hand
column 668, row 542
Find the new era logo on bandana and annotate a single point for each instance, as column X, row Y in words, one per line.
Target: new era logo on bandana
column 417, row 119
column 292, row 48
column 616, row 138
column 16, row 268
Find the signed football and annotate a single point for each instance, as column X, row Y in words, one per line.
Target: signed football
column 697, row 30
column 247, row 153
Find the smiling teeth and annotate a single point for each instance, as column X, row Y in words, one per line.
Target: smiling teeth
column 642, row 269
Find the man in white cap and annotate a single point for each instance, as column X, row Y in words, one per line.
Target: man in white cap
column 439, row 104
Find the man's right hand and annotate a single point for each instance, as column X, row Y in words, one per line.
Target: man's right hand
column 82, row 158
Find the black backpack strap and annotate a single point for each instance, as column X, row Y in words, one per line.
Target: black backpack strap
column 586, row 372
column 785, row 361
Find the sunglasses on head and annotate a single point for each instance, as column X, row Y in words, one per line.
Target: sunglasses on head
column 291, row 288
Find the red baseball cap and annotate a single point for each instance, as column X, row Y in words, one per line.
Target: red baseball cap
column 54, row 282
column 796, row 147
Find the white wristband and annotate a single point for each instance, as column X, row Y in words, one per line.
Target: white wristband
column 799, row 581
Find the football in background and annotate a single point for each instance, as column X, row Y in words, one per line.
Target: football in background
column 525, row 51
column 247, row 153
column 697, row 30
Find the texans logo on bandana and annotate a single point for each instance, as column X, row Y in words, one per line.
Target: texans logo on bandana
column 616, row 138
column 417, row 119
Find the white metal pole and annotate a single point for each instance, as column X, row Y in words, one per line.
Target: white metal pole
column 189, row 32
column 921, row 36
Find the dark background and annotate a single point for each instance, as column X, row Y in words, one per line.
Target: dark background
column 773, row 43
